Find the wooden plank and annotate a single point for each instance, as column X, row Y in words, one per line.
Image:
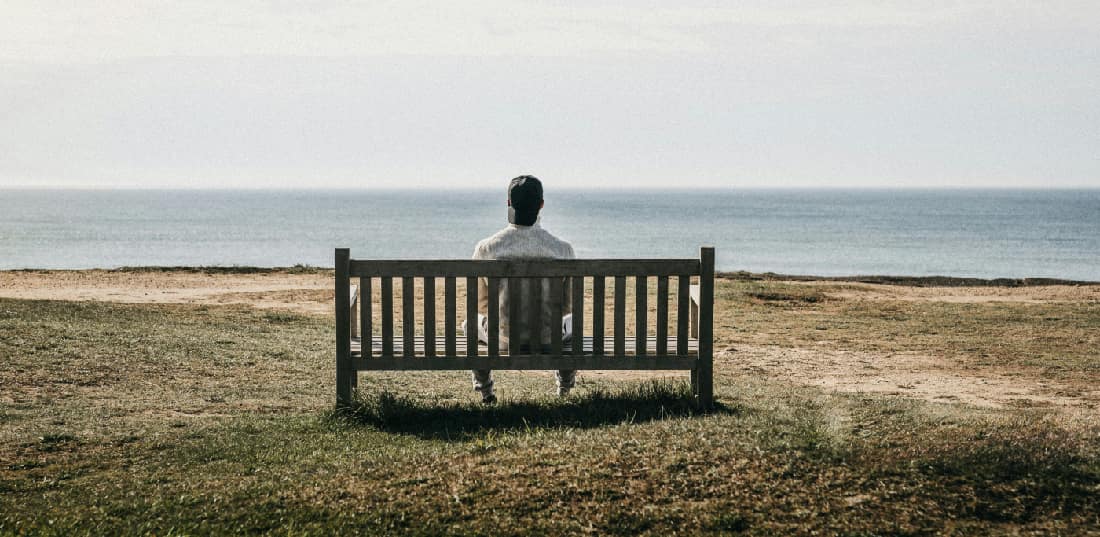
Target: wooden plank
column 344, row 367
column 682, row 320
column 597, row 315
column 471, row 316
column 429, row 316
column 514, row 319
column 366, row 319
column 408, row 312
column 543, row 362
column 692, row 346
column 641, row 309
column 450, row 316
column 387, row 316
column 494, row 316
column 556, row 307
column 519, row 268
column 578, row 314
column 706, row 328
column 534, row 314
column 620, row 315
column 662, row 315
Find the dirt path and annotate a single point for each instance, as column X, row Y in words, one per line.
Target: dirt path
column 307, row 293
column 1033, row 295
column 907, row 375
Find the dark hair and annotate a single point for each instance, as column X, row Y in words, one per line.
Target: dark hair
column 524, row 200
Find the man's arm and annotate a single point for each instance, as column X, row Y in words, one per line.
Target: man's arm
column 482, row 283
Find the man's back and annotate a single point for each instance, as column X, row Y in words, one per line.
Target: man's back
column 523, row 242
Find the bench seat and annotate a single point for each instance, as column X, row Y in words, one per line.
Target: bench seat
column 629, row 346
column 398, row 362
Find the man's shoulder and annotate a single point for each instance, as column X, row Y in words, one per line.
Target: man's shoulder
column 561, row 246
column 512, row 242
column 485, row 248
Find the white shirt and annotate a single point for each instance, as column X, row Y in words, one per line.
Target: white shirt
column 523, row 242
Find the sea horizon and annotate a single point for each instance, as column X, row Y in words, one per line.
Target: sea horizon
column 953, row 232
column 24, row 188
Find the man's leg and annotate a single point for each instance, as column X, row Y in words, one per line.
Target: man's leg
column 483, row 382
column 483, row 378
column 567, row 378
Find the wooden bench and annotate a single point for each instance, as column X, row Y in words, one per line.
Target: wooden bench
column 689, row 346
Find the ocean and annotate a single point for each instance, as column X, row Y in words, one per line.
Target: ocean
column 962, row 233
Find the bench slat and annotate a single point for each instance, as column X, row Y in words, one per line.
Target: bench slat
column 641, row 293
column 494, row 316
column 408, row 312
column 471, row 315
column 514, row 318
column 597, row 315
column 587, row 343
column 534, row 314
column 429, row 316
column 366, row 313
column 544, row 362
column 387, row 316
column 557, row 299
column 683, row 282
column 450, row 314
column 578, row 314
column 543, row 268
column 620, row 315
column 662, row 316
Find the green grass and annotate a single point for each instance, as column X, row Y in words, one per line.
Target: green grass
column 185, row 420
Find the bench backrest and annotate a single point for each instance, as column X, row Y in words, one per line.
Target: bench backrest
column 560, row 275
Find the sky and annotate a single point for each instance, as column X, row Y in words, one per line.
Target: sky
column 612, row 94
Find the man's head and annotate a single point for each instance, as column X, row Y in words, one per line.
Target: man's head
column 524, row 200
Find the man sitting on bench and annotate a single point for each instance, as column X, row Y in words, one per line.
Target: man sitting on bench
column 523, row 238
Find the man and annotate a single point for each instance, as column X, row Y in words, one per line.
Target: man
column 523, row 238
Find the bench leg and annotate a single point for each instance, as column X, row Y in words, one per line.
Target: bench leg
column 344, row 384
column 702, row 385
column 706, row 387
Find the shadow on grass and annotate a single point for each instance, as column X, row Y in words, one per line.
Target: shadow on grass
column 1021, row 475
column 648, row 401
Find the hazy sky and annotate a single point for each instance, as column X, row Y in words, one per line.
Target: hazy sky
column 595, row 93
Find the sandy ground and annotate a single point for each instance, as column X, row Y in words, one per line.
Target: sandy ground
column 1034, row 295
column 910, row 375
column 309, row 293
column 903, row 374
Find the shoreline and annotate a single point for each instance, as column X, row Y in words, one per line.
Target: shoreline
column 740, row 275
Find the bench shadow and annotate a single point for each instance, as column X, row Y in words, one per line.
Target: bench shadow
column 461, row 421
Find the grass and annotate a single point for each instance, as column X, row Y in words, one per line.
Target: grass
column 1057, row 338
column 184, row 420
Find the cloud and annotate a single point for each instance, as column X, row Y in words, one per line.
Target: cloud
column 104, row 31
